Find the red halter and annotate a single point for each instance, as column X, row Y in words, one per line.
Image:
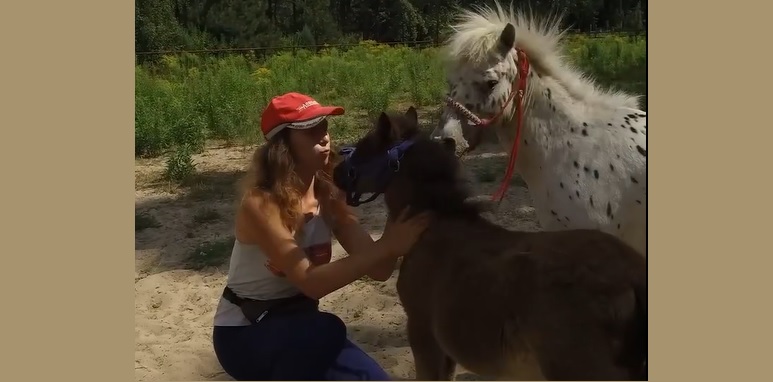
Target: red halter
column 518, row 89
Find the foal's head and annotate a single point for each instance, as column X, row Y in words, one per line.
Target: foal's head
column 395, row 158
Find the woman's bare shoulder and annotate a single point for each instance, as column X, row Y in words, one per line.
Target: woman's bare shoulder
column 256, row 212
column 258, row 204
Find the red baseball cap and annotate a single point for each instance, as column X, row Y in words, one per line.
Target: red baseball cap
column 296, row 111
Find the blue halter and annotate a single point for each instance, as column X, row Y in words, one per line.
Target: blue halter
column 383, row 166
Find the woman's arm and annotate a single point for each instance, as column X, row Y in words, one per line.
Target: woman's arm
column 280, row 247
column 356, row 241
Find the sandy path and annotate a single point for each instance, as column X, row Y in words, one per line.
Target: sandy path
column 174, row 304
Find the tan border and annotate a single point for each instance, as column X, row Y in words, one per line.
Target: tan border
column 68, row 119
column 699, row 272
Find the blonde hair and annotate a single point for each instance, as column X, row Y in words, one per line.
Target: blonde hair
column 272, row 173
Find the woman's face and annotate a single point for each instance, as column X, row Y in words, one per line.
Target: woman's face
column 311, row 146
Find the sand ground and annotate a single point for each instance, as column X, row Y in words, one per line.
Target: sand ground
column 176, row 293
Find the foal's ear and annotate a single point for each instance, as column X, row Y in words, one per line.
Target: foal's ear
column 412, row 115
column 507, row 38
column 384, row 127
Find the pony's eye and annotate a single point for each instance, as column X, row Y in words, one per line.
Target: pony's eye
column 491, row 83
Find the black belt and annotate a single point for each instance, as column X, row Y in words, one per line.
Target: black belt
column 255, row 310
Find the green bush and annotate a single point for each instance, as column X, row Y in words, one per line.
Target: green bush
column 179, row 164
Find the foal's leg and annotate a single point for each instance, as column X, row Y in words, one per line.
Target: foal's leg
column 432, row 364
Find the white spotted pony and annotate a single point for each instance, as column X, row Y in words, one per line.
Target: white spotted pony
column 582, row 150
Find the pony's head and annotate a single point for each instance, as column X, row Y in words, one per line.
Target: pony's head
column 482, row 75
column 409, row 168
column 483, row 67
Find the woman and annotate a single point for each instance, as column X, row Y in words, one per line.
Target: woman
column 267, row 325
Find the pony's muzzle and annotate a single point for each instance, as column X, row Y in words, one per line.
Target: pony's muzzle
column 458, row 146
column 461, row 147
column 476, row 137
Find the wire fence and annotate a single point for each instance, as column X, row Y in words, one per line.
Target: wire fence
column 269, row 50
column 417, row 44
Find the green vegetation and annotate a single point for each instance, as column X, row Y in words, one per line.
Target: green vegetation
column 184, row 100
column 211, row 253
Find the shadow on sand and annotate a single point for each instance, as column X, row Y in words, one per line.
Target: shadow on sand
column 193, row 227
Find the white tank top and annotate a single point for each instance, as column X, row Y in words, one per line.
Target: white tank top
column 251, row 275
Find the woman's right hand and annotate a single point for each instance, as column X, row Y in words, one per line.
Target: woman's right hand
column 401, row 234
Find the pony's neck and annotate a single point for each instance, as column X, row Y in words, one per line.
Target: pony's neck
column 551, row 115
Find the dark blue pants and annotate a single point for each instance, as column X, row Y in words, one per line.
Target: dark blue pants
column 299, row 346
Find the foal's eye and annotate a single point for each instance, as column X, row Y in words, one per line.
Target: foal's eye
column 492, row 83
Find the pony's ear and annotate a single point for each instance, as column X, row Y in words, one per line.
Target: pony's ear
column 507, row 38
column 384, row 127
column 412, row 115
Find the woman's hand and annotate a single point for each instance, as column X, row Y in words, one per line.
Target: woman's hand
column 402, row 233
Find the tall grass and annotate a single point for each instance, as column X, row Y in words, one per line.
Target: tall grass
column 186, row 99
column 615, row 61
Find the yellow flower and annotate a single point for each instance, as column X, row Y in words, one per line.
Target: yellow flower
column 261, row 72
column 170, row 61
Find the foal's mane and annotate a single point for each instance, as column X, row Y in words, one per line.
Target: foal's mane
column 431, row 171
column 477, row 31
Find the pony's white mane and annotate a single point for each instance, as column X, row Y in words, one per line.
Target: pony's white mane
column 477, row 32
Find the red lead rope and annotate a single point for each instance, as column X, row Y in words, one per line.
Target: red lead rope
column 519, row 91
column 523, row 74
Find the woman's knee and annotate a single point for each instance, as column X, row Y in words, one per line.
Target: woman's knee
column 332, row 323
column 325, row 330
